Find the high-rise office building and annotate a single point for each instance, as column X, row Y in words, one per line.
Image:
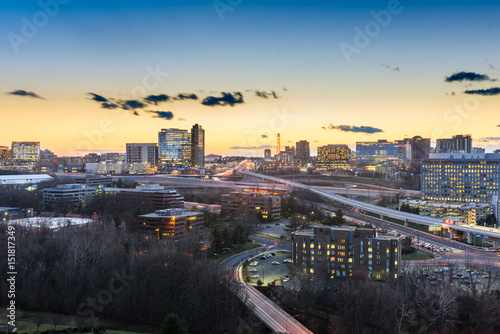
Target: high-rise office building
column 412, row 151
column 456, row 144
column 197, row 146
column 459, row 177
column 302, row 150
column 25, row 151
column 461, row 185
column 267, row 154
column 174, row 148
column 334, row 157
column 142, row 153
column 341, row 251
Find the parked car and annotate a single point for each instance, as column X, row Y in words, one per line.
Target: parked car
column 252, row 270
column 275, row 262
column 255, row 276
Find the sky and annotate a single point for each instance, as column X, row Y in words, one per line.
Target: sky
column 90, row 76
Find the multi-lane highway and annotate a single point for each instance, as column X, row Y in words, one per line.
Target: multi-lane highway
column 492, row 234
column 266, row 310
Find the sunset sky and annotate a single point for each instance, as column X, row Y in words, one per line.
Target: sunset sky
column 323, row 71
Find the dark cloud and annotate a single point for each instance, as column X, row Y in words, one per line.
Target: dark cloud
column 187, row 97
column 132, row 104
column 391, row 68
column 349, row 128
column 155, row 99
column 109, row 105
column 263, row 136
column 226, row 99
column 250, row 147
column 168, row 115
column 98, row 98
column 486, row 92
column 266, row 95
column 21, row 92
column 467, row 76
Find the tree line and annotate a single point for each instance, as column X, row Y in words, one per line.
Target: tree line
column 102, row 270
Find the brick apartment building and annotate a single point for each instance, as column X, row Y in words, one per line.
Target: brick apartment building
column 340, row 251
column 254, row 203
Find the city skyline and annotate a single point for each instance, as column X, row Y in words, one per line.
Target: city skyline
column 93, row 77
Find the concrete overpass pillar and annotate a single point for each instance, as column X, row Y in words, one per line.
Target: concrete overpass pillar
column 451, row 233
column 496, row 243
column 406, row 222
column 483, row 239
column 469, row 237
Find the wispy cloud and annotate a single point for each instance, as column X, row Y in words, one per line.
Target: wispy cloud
column 168, row 115
column 486, row 92
column 187, row 97
column 350, row 128
column 391, row 68
column 21, row 92
column 467, row 76
column 250, row 147
column 263, row 136
column 266, row 95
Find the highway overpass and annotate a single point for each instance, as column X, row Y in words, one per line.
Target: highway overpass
column 491, row 233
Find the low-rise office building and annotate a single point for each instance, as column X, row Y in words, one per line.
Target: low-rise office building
column 149, row 195
column 170, row 223
column 254, row 203
column 341, row 251
column 68, row 196
column 9, row 213
column 471, row 213
column 95, row 180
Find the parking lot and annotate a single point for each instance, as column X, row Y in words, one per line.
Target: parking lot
column 267, row 271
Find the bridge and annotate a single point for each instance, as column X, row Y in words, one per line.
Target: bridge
column 491, row 233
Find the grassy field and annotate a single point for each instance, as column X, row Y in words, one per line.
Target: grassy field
column 418, row 256
column 26, row 323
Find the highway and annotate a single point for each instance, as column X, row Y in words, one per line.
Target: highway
column 266, row 310
column 491, row 233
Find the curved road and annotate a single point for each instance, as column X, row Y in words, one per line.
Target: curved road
column 267, row 311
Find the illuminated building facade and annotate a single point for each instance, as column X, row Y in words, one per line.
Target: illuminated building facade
column 334, row 157
column 174, row 148
column 456, row 144
column 341, row 251
column 470, row 213
column 372, row 153
column 461, row 177
column 170, row 223
column 254, row 203
column 197, row 146
column 5, row 154
column 25, row 151
column 453, row 182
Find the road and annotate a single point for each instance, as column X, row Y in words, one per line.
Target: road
column 491, row 233
column 266, row 310
column 461, row 255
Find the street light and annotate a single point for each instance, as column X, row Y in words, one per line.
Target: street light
column 286, row 323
